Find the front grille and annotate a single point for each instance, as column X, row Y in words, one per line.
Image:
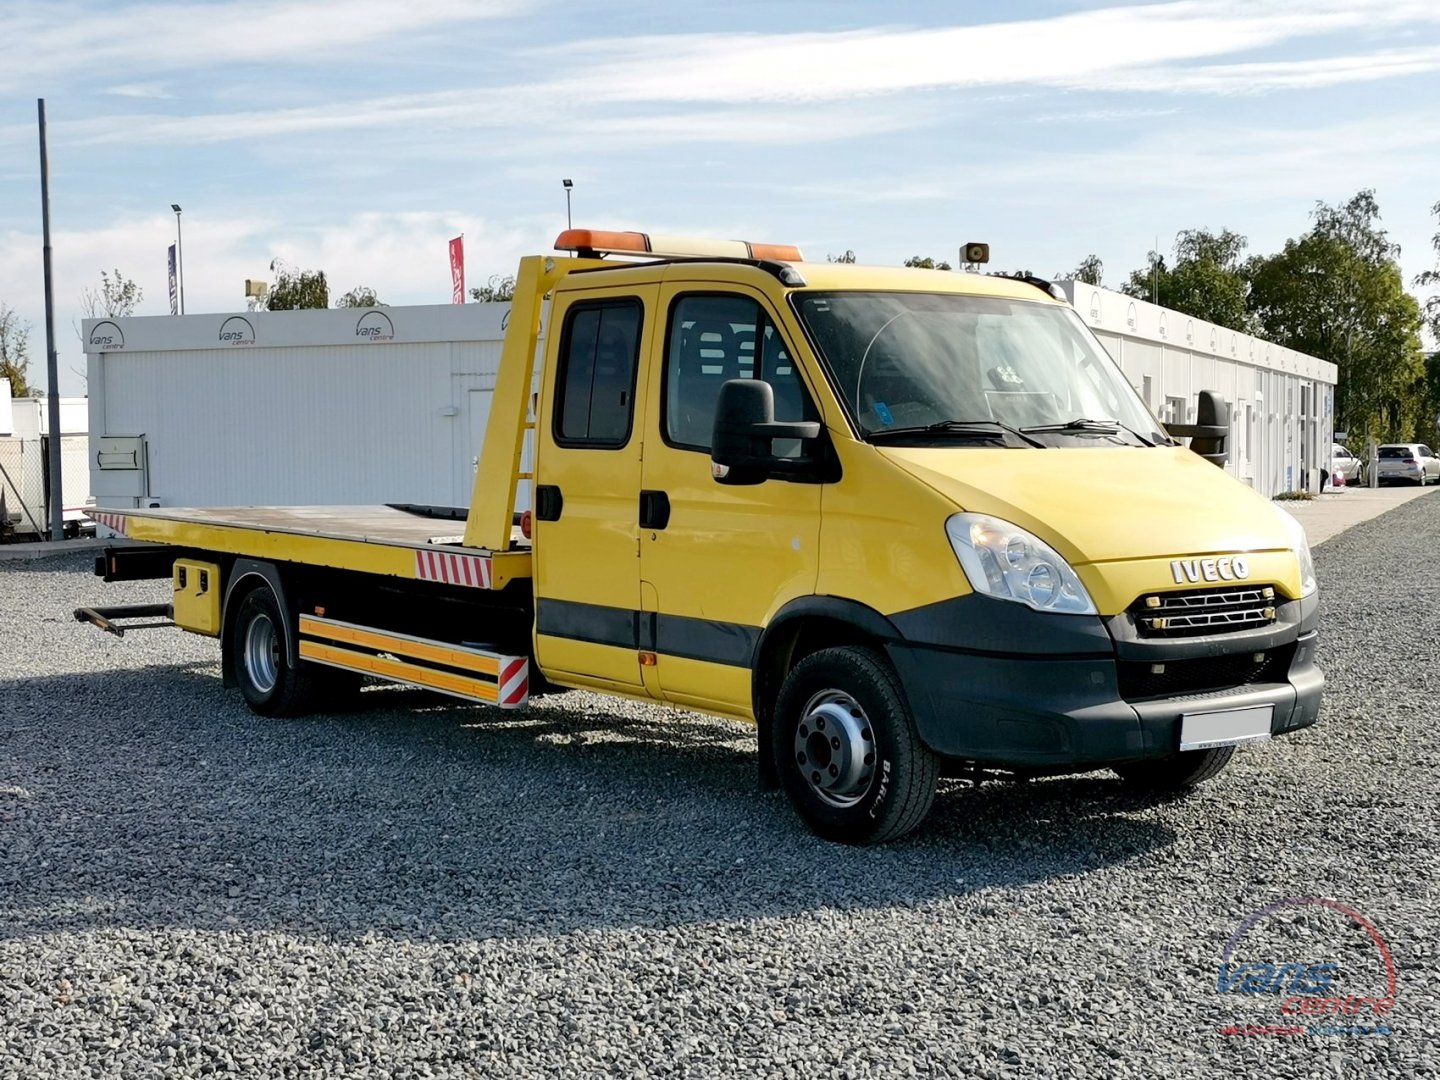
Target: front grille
column 1141, row 679
column 1203, row 611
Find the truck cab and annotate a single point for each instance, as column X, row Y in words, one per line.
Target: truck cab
column 809, row 496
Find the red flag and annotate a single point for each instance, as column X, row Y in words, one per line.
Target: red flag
column 457, row 268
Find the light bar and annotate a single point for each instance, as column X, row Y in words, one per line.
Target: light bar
column 600, row 242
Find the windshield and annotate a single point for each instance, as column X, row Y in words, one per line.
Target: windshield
column 905, row 362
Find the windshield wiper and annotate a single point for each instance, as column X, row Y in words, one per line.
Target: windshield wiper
column 1080, row 424
column 980, row 428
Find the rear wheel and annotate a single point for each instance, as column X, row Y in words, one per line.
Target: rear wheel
column 847, row 749
column 1177, row 772
column 270, row 684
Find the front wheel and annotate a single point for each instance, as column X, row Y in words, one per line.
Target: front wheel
column 1177, row 772
column 847, row 749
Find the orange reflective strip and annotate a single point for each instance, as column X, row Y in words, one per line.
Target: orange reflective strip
column 420, row 650
column 399, row 671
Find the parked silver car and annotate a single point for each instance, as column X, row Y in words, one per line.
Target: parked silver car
column 1346, row 466
column 1413, row 462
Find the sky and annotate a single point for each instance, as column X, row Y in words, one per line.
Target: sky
column 357, row 137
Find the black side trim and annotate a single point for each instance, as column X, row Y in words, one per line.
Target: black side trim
column 595, row 623
column 732, row 644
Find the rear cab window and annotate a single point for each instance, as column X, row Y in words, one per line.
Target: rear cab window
column 595, row 385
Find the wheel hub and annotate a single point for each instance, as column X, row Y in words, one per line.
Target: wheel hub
column 262, row 653
column 835, row 748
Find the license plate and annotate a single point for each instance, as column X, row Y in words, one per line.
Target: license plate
column 1200, row 731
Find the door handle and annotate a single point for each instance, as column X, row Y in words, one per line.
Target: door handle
column 548, row 502
column 654, row 509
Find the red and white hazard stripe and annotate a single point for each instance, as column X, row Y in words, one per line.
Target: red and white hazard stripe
column 453, row 569
column 110, row 521
column 514, row 681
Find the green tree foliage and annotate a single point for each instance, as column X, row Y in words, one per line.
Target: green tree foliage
column 926, row 263
column 1207, row 281
column 500, row 287
column 295, row 289
column 1091, row 271
column 1431, row 279
column 14, row 350
column 360, row 296
column 847, row 257
column 116, row 296
column 1337, row 292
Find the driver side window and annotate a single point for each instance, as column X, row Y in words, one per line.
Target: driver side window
column 715, row 338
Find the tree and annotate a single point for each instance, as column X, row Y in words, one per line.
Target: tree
column 1090, row 271
column 14, row 350
column 1207, row 281
column 295, row 289
column 847, row 257
column 926, row 263
column 116, row 296
column 1337, row 292
column 360, row 296
column 1432, row 278
column 500, row 288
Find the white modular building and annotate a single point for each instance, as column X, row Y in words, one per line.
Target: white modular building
column 1282, row 402
column 342, row 406
column 25, row 464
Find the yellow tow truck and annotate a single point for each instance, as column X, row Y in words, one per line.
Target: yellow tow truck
column 908, row 523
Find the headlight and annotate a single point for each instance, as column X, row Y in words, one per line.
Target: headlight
column 1301, row 546
column 1005, row 561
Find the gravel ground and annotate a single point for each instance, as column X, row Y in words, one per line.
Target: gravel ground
column 595, row 888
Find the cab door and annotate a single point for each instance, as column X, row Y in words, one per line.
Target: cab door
column 717, row 561
column 587, row 569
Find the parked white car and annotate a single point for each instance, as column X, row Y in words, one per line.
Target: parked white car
column 1414, row 462
column 1345, row 466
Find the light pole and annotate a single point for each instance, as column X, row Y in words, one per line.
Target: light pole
column 569, row 186
column 179, row 257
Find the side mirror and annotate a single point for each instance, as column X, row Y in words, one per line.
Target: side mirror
column 1211, row 428
column 745, row 427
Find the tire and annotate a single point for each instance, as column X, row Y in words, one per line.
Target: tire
column 879, row 781
column 268, row 682
column 1177, row 772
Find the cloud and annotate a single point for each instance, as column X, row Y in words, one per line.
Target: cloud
column 46, row 38
column 1255, row 78
column 140, row 90
column 1078, row 49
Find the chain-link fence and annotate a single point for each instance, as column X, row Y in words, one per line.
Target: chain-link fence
column 25, row 484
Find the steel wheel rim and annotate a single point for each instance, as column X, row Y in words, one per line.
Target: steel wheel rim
column 262, row 653
column 835, row 748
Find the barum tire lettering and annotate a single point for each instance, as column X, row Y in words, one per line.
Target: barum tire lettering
column 855, row 690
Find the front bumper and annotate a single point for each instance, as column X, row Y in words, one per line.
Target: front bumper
column 1030, row 690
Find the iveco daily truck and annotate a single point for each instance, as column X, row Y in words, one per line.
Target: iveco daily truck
column 906, row 522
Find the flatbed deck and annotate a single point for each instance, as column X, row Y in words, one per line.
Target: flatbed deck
column 374, row 539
